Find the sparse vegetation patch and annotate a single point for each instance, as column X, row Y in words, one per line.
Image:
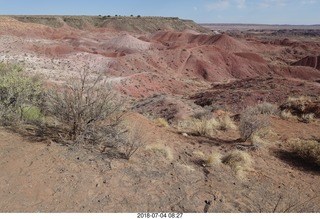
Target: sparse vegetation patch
column 308, row 150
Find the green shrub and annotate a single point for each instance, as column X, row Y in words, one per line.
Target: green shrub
column 32, row 114
column 17, row 91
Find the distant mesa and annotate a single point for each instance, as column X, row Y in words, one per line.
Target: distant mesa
column 137, row 24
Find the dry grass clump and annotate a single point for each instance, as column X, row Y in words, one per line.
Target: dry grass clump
column 206, row 125
column 186, row 167
column 286, row 115
column 199, row 155
column 306, row 109
column 239, row 161
column 308, row 150
column 263, row 137
column 308, row 117
column 213, row 159
column 161, row 150
column 268, row 108
column 161, row 122
column 300, row 98
column 225, row 123
column 209, row 160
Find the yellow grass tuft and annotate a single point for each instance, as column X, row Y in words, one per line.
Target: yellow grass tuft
column 161, row 149
column 260, row 138
column 308, row 117
column 161, row 122
column 225, row 123
column 206, row 126
column 213, row 159
column 286, row 115
column 199, row 155
column 239, row 161
column 186, row 167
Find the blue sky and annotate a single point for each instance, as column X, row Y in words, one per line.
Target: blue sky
column 201, row 11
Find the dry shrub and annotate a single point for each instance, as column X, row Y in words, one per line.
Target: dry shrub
column 163, row 150
column 239, row 161
column 287, row 200
column 308, row 150
column 251, row 121
column 268, row 109
column 134, row 138
column 88, row 111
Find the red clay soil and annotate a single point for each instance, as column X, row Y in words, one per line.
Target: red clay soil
column 310, row 61
column 237, row 95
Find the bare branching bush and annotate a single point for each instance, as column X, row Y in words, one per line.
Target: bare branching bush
column 308, row 150
column 133, row 139
column 88, row 111
column 252, row 121
column 289, row 200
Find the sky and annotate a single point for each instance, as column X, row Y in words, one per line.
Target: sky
column 201, row 11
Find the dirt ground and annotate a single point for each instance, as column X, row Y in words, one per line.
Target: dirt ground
column 47, row 177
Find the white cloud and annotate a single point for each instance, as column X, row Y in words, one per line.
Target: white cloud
column 218, row 5
column 225, row 4
column 308, row 2
column 240, row 3
column 272, row 3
